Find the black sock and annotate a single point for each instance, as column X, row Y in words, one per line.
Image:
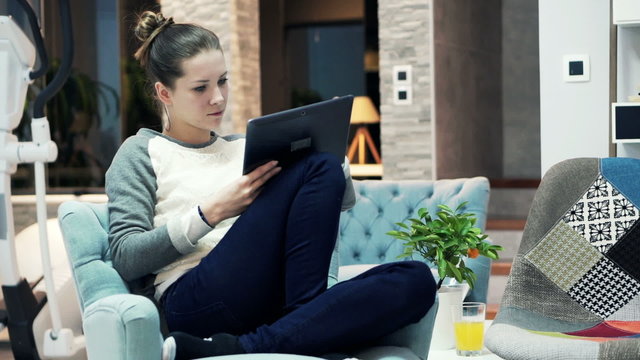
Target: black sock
column 190, row 347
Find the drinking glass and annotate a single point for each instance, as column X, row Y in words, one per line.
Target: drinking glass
column 468, row 324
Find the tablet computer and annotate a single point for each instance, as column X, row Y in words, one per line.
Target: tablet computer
column 288, row 135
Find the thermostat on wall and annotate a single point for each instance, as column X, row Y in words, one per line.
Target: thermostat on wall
column 576, row 68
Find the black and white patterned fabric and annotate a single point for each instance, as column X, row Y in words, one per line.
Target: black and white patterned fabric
column 602, row 215
column 626, row 252
column 605, row 288
column 608, row 221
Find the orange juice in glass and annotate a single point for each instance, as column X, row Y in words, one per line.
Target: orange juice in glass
column 468, row 324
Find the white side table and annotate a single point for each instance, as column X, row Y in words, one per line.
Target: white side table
column 451, row 354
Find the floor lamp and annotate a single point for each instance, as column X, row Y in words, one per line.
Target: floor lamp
column 363, row 113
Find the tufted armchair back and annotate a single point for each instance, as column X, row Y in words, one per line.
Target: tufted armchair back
column 90, row 257
column 380, row 204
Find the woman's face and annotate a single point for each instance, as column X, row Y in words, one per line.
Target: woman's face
column 197, row 102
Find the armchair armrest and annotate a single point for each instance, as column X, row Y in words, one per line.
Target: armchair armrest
column 121, row 327
column 416, row 337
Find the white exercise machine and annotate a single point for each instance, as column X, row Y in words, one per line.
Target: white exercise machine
column 35, row 324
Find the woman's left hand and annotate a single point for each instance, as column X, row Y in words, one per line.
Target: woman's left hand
column 234, row 198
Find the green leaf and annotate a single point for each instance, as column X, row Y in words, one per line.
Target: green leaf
column 475, row 231
column 496, row 248
column 418, row 238
column 421, row 229
column 401, row 235
column 408, row 252
column 450, row 243
column 462, row 205
column 455, row 271
column 442, row 263
column 422, row 212
column 403, row 225
column 397, row 233
column 471, row 279
column 445, row 208
column 433, row 237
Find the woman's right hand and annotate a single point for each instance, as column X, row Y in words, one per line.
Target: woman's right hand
column 234, row 198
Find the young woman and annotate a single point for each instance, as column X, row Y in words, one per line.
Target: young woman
column 240, row 260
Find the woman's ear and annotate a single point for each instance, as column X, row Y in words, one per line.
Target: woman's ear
column 163, row 93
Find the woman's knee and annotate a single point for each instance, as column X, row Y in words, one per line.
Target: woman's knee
column 327, row 160
column 414, row 287
column 326, row 165
column 418, row 279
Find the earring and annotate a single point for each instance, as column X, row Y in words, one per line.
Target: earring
column 166, row 111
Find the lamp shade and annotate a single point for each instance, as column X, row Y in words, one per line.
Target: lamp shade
column 363, row 111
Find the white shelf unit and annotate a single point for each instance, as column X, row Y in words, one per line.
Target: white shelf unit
column 626, row 12
column 626, row 15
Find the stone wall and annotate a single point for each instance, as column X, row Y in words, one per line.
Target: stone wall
column 236, row 22
column 245, row 54
column 406, row 130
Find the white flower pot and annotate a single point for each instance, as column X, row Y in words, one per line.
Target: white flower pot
column 443, row 337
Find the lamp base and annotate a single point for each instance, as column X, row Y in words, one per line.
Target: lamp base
column 361, row 137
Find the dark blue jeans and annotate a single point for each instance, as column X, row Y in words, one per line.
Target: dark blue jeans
column 267, row 278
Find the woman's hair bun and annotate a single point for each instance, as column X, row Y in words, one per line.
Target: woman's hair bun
column 148, row 22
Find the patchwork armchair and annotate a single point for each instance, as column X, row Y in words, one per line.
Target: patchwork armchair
column 574, row 287
column 120, row 325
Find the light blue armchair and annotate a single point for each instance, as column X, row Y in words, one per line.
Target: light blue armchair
column 120, row 325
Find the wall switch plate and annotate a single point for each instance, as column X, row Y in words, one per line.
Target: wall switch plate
column 402, row 95
column 402, row 75
column 576, row 68
column 402, row 84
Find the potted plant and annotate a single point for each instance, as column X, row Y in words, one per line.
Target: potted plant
column 445, row 241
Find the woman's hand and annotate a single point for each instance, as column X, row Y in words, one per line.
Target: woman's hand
column 234, row 198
